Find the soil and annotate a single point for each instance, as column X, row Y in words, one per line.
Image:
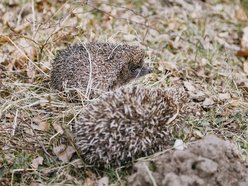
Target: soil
column 210, row 161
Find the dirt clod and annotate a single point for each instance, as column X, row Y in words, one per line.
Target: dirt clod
column 210, row 161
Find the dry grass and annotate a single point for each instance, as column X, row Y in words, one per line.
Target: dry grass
column 185, row 42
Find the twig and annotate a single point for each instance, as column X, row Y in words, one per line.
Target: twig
column 88, row 89
column 113, row 51
column 150, row 175
column 15, row 123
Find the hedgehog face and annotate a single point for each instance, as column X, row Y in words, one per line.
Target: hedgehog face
column 131, row 59
column 140, row 72
column 136, row 65
column 135, row 58
column 129, row 72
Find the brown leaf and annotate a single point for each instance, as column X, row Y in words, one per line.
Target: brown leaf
column 63, row 152
column 36, row 162
column 243, row 52
column 208, row 102
column 58, row 128
column 22, row 51
column 104, row 181
column 130, row 37
column 22, row 27
column 3, row 39
column 8, row 18
column 245, row 67
column 45, row 66
column 240, row 14
column 224, row 96
column 31, row 72
column 199, row 96
column 234, row 125
column 198, row 133
column 188, row 85
column 193, row 92
column 164, row 65
column 89, row 182
column 40, row 124
column 234, row 102
column 244, row 40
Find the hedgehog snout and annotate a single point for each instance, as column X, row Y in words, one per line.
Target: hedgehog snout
column 141, row 71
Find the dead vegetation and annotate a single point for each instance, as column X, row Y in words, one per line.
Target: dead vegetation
column 189, row 43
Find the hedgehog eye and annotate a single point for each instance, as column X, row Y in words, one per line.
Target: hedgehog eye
column 132, row 68
column 135, row 72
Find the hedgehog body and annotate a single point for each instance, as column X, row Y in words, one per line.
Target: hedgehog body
column 126, row 124
column 96, row 67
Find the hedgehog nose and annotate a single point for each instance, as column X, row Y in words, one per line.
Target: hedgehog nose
column 149, row 70
column 145, row 70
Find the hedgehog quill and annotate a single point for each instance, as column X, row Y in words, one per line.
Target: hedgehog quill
column 96, row 67
column 126, row 124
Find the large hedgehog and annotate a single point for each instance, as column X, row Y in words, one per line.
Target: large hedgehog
column 96, row 67
column 127, row 123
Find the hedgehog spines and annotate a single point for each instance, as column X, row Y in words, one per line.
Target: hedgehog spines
column 125, row 124
column 103, row 66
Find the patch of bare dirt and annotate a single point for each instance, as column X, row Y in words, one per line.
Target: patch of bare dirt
column 210, row 161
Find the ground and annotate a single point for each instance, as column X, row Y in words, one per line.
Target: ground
column 193, row 44
column 210, row 161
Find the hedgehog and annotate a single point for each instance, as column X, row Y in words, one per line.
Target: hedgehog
column 127, row 123
column 97, row 67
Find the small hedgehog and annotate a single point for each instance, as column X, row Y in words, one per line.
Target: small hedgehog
column 125, row 124
column 97, row 67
